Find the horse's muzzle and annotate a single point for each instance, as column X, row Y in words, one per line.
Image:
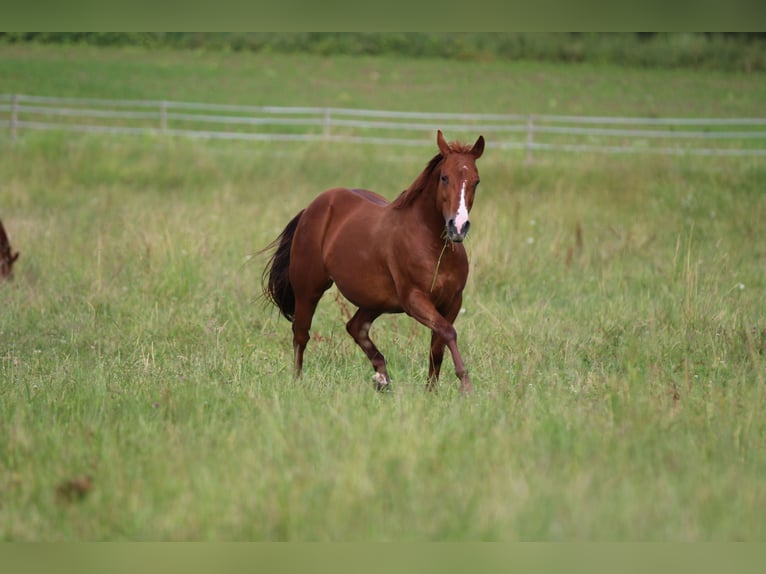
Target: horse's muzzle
column 457, row 235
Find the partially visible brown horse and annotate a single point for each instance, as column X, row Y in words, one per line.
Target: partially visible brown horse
column 7, row 257
column 403, row 256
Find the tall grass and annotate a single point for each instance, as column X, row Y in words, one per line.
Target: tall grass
column 613, row 321
column 613, row 325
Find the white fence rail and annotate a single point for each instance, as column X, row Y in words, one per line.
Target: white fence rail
column 701, row 136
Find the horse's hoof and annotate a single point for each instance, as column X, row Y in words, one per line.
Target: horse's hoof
column 381, row 381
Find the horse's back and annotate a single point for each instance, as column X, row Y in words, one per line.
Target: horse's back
column 341, row 214
column 347, row 199
column 375, row 198
column 340, row 205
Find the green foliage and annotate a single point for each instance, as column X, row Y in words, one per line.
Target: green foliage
column 740, row 52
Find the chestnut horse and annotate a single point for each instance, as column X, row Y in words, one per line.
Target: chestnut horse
column 403, row 256
column 7, row 256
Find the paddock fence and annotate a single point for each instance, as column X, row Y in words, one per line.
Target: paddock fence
column 531, row 133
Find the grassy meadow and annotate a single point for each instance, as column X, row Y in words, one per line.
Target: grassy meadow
column 613, row 323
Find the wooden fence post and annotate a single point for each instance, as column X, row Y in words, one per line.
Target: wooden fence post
column 163, row 117
column 327, row 121
column 14, row 115
column 530, row 136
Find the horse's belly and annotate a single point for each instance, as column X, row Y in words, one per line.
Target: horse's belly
column 368, row 290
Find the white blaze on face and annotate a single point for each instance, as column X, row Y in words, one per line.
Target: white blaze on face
column 461, row 217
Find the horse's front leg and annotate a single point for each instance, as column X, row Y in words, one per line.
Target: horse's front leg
column 436, row 355
column 435, row 358
column 418, row 305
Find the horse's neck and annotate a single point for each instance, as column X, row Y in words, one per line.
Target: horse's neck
column 423, row 211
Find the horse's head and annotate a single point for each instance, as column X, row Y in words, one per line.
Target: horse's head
column 7, row 257
column 458, row 178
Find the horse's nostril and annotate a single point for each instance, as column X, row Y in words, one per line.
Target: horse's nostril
column 454, row 234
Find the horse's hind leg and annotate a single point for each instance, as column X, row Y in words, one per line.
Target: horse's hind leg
column 359, row 328
column 301, row 324
column 309, row 286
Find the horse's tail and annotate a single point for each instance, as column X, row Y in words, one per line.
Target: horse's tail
column 275, row 280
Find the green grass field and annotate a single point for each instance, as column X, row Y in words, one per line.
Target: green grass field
column 614, row 321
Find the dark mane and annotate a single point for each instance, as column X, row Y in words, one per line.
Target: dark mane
column 413, row 191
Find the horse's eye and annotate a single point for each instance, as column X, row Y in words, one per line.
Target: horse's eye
column 475, row 185
column 445, row 179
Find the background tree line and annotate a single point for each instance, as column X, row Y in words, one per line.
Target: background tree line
column 743, row 52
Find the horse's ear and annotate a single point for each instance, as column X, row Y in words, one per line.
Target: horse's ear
column 443, row 145
column 478, row 147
